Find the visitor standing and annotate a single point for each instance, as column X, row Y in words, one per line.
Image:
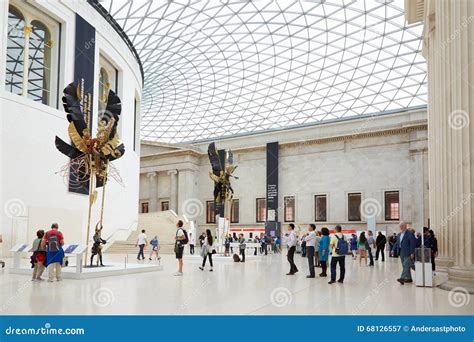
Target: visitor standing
column 180, row 240
column 141, row 243
column 207, row 250
column 242, row 247
column 53, row 242
column 38, row 259
column 339, row 248
column 370, row 246
column 192, row 243
column 354, row 246
column 227, row 245
column 324, row 251
column 317, row 262
column 406, row 243
column 310, row 240
column 380, row 241
column 291, row 243
column 362, row 248
column 434, row 250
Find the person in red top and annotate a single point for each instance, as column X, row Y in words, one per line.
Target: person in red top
column 53, row 241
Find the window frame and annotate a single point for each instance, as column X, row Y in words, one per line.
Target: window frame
column 162, row 203
column 360, row 193
column 257, row 211
column 31, row 14
column 210, row 219
column 325, row 195
column 385, row 204
column 285, row 218
column 142, row 204
column 232, row 208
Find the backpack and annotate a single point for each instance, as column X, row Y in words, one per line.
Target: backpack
column 236, row 258
column 342, row 248
column 186, row 239
column 53, row 243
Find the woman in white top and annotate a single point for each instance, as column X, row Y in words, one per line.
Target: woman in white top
column 207, row 250
column 310, row 248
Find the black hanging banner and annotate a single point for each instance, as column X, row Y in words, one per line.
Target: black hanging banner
column 272, row 226
column 84, row 60
column 220, row 207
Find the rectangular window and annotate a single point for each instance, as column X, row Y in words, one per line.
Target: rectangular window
column 234, row 211
column 261, row 210
column 165, row 205
column 144, row 207
column 353, row 201
column 392, row 206
column 289, row 203
column 320, row 208
column 210, row 212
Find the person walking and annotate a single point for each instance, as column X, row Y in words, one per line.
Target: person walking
column 291, row 243
column 242, row 246
column 339, row 248
column 180, row 240
column 317, row 262
column 141, row 243
column 207, row 250
column 154, row 248
column 371, row 245
column 324, row 251
column 354, row 246
column 53, row 242
column 406, row 242
column 310, row 240
column 38, row 259
column 362, row 248
column 192, row 243
column 380, row 242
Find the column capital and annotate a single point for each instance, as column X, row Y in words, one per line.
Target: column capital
column 172, row 172
column 151, row 174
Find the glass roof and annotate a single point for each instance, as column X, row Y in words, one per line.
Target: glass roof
column 220, row 68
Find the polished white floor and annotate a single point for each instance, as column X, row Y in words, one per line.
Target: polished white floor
column 254, row 288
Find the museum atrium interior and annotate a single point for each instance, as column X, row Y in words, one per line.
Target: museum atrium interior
column 242, row 118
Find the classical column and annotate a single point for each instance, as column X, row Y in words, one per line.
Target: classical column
column 188, row 203
column 174, row 190
column 449, row 50
column 152, row 191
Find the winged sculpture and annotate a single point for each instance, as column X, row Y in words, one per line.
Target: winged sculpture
column 221, row 174
column 91, row 155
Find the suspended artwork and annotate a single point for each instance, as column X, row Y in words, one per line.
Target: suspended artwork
column 91, row 157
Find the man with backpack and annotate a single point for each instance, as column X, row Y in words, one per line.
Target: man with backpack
column 339, row 248
column 181, row 239
column 53, row 241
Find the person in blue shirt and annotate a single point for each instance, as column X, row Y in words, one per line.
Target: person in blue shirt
column 154, row 248
column 406, row 243
column 324, row 251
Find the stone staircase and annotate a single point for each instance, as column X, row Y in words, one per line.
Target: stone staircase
column 162, row 224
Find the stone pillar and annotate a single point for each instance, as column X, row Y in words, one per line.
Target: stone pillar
column 152, row 191
column 174, row 190
column 188, row 203
column 417, row 183
column 449, row 51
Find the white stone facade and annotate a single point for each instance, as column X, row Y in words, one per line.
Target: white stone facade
column 369, row 155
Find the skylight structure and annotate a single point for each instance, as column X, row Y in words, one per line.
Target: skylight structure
column 219, row 68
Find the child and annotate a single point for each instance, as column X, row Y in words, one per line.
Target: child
column 154, row 249
column 38, row 258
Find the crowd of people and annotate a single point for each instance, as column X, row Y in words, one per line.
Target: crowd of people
column 317, row 246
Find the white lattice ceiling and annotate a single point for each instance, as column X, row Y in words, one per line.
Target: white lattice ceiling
column 219, row 68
